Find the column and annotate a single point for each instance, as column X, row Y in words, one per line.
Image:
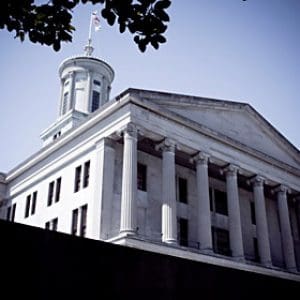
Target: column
column 169, row 215
column 103, row 170
column 128, row 222
column 204, row 217
column 234, row 217
column 72, row 101
column 285, row 227
column 262, row 231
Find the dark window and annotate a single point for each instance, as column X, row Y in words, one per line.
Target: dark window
column 255, row 246
column 50, row 193
column 8, row 212
column 65, row 103
column 211, row 199
column 74, row 221
column 221, row 243
column 77, row 179
column 182, row 190
column 253, row 219
column 54, row 224
column 27, row 207
column 57, row 191
column 47, row 225
column 183, row 232
column 142, row 177
column 86, row 174
column 13, row 212
column 221, row 202
column 96, row 82
column 83, row 220
column 33, row 204
column 95, row 100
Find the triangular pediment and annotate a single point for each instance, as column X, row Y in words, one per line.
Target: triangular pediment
column 237, row 121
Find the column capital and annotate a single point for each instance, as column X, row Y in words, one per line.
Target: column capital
column 230, row 170
column 106, row 141
column 200, row 158
column 167, row 145
column 281, row 189
column 129, row 129
column 257, row 180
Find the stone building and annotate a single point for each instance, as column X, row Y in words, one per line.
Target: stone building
column 204, row 179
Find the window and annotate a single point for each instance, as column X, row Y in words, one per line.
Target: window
column 83, row 220
column 183, row 229
column 50, row 193
column 57, row 191
column 30, row 205
column 142, row 177
column 10, row 213
column 57, row 135
column 65, row 103
column 27, row 207
column 74, row 221
column 221, row 243
column 252, row 207
column 77, row 179
column 66, row 83
column 79, row 214
column 52, row 224
column 182, row 190
column 78, row 174
column 255, row 246
column 218, row 201
column 33, row 205
column 95, row 101
column 96, row 82
column 86, row 174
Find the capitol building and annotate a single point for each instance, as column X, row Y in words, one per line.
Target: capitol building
column 203, row 179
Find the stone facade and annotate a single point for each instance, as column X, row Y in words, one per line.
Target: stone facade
column 152, row 170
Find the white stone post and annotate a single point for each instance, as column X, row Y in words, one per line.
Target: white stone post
column 285, row 227
column 262, row 231
column 169, row 215
column 128, row 224
column 234, row 217
column 204, row 216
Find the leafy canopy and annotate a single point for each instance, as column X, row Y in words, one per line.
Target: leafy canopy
column 50, row 23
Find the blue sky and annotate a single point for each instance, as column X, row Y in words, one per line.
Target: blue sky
column 226, row 49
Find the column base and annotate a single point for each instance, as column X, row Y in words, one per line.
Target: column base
column 170, row 241
column 239, row 258
column 125, row 233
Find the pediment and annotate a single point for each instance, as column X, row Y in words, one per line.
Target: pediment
column 237, row 121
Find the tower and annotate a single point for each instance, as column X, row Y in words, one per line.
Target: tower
column 85, row 87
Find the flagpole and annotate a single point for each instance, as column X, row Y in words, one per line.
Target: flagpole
column 88, row 48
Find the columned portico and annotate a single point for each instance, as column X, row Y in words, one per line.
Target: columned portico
column 262, row 231
column 234, row 217
column 204, row 218
column 285, row 226
column 128, row 224
column 169, row 215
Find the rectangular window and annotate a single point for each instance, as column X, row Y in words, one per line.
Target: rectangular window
column 221, row 202
column 255, row 246
column 77, row 179
column 183, row 231
column 86, row 174
column 96, row 82
column 142, row 177
column 95, row 101
column 13, row 212
column 8, row 212
column 211, row 199
column 33, row 204
column 83, row 220
column 74, row 221
column 65, row 103
column 54, row 224
column 27, row 207
column 50, row 193
column 221, row 243
column 182, row 190
column 47, row 225
column 252, row 207
column 57, row 191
